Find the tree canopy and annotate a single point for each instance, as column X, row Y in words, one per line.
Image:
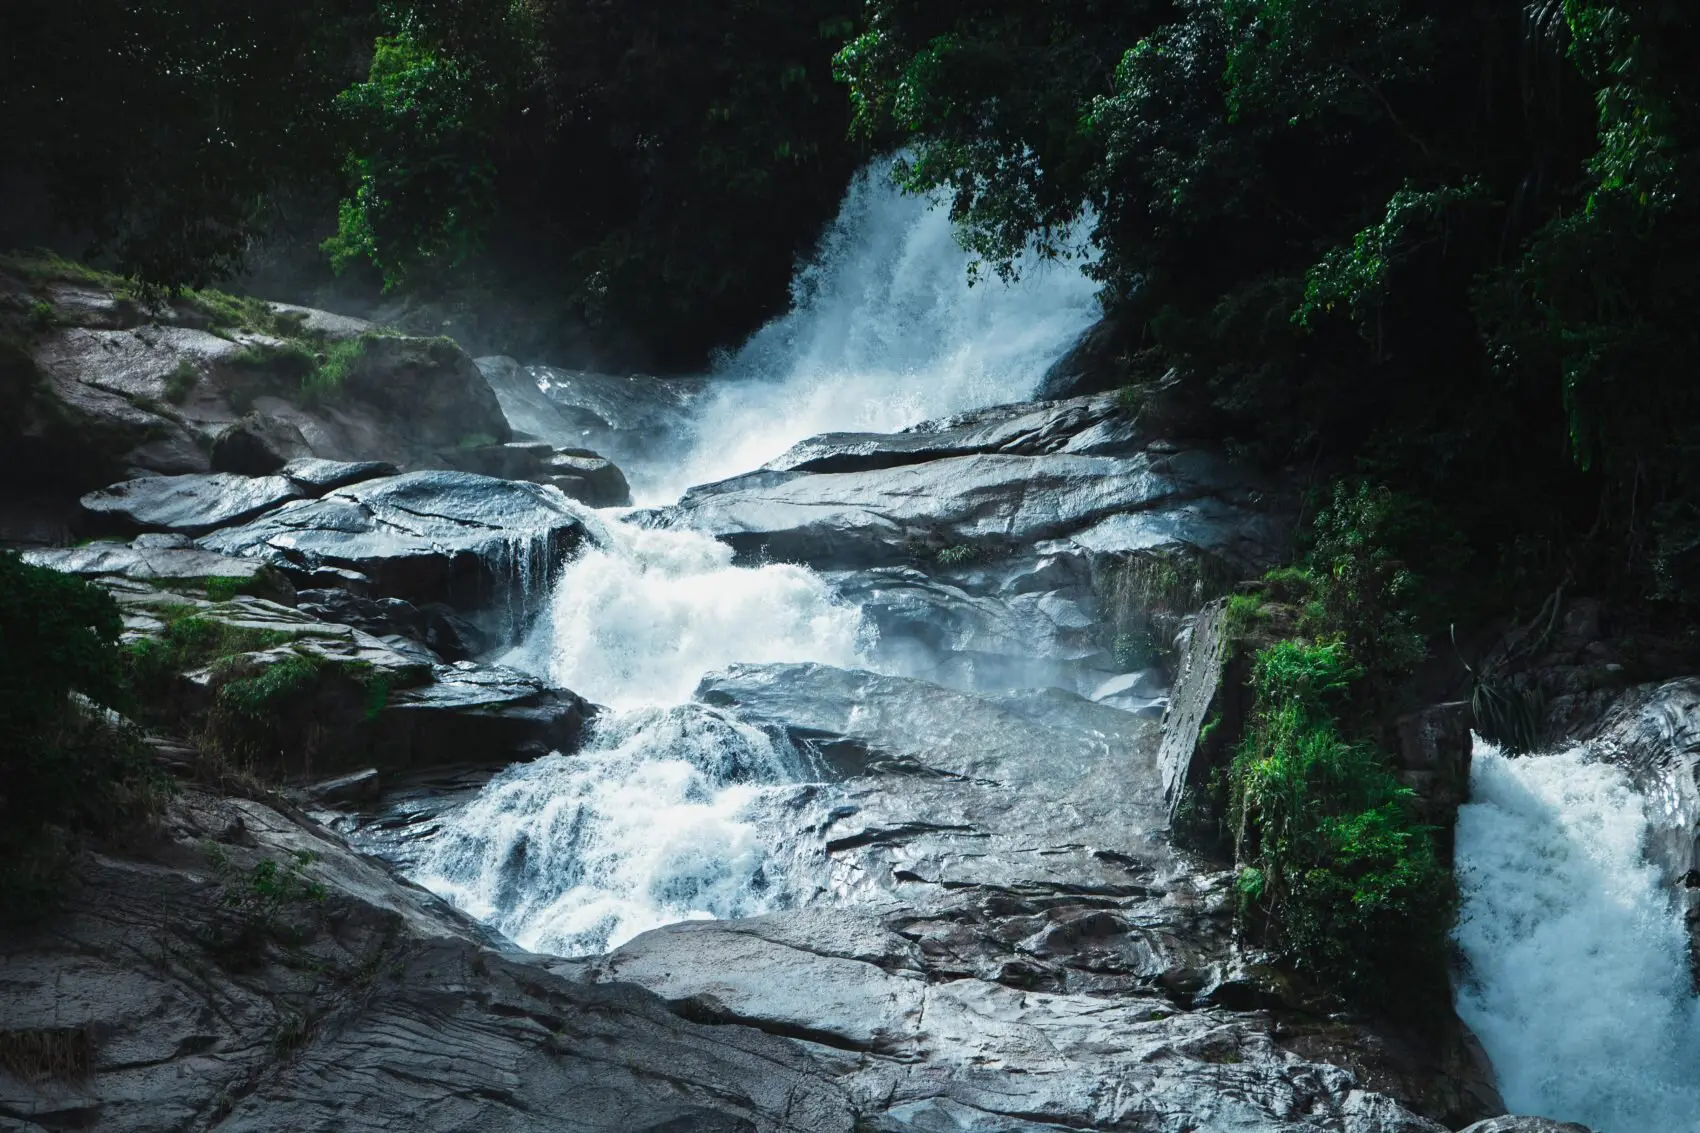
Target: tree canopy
column 1447, row 245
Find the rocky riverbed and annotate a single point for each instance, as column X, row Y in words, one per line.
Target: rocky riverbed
column 979, row 921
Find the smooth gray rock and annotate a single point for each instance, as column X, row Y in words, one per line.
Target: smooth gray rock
column 992, row 504
column 146, row 561
column 469, row 540
column 257, row 446
column 488, row 715
column 367, row 1008
column 1510, row 1124
column 190, row 505
column 319, row 476
column 1089, row 426
column 1653, row 732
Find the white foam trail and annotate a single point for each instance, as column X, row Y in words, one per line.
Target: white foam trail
column 884, row 332
column 639, row 620
column 1578, row 982
column 670, row 815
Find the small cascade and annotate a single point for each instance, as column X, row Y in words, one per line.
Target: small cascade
column 1577, row 978
column 671, row 814
column 638, row 619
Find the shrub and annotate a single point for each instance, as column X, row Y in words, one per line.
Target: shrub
column 68, row 767
column 1334, row 872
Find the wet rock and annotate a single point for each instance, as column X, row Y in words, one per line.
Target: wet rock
column 190, row 505
column 360, row 787
column 1653, row 732
column 490, row 715
column 1017, row 481
column 166, row 560
column 1089, row 426
column 1526, row 1125
column 587, row 477
column 351, row 1001
column 1434, row 753
column 424, row 537
column 1188, row 754
column 257, row 446
column 580, row 474
column 316, row 476
column 528, row 411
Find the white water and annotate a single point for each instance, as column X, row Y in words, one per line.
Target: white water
column 884, row 333
column 639, row 620
column 673, row 811
column 1577, row 981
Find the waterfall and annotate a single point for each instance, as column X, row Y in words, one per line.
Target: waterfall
column 674, row 811
column 884, row 331
column 1577, row 977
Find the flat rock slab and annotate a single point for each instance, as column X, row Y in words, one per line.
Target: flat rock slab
column 920, row 1054
column 145, row 563
column 996, row 503
column 190, row 504
column 451, row 537
column 1093, row 426
column 317, row 477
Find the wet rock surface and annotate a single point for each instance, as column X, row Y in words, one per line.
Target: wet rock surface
column 345, row 1000
column 189, row 505
column 453, row 537
column 1014, row 479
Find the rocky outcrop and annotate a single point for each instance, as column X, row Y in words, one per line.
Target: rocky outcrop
column 166, row 560
column 581, row 474
column 992, row 504
column 98, row 385
column 188, row 505
column 1526, row 1125
column 471, row 541
column 1653, row 732
column 246, row 972
column 626, row 418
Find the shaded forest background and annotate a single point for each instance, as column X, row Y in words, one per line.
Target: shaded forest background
column 1445, row 247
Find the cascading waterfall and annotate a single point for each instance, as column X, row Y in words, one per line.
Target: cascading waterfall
column 1577, row 980
column 884, row 332
column 675, row 811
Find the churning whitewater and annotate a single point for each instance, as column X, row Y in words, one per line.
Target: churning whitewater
column 674, row 811
column 1577, row 981
column 884, row 332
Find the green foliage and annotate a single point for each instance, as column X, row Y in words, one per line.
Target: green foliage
column 1333, row 871
column 190, row 641
column 957, row 555
column 67, row 768
column 1448, row 248
column 422, row 175
column 341, row 359
column 181, row 381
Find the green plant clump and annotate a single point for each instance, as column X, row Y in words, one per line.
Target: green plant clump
column 1334, row 872
column 68, row 768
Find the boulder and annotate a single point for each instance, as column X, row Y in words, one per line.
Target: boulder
column 1653, row 732
column 1088, row 426
column 316, row 476
column 189, row 505
column 471, row 541
column 1510, row 1124
column 487, row 715
column 257, row 446
column 581, row 474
